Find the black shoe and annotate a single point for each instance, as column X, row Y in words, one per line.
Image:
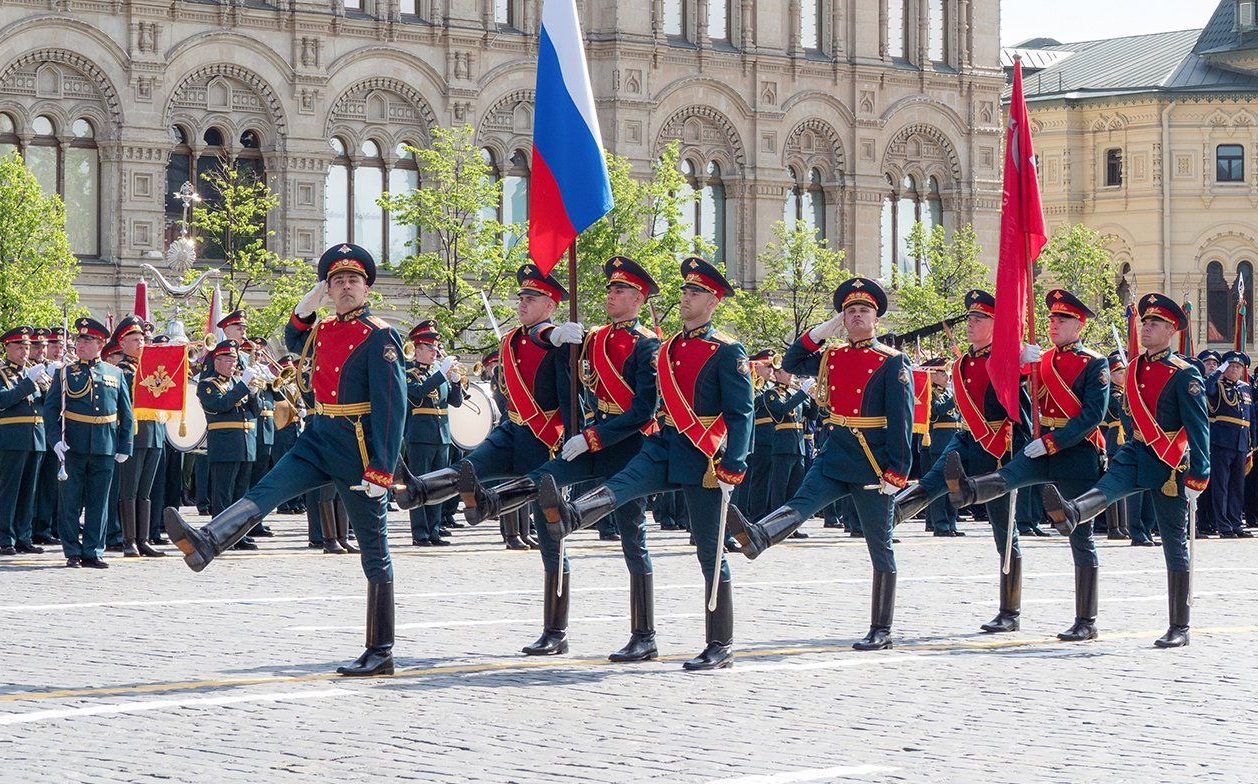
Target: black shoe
column 347, row 547
column 8, row 550
column 44, row 540
column 799, row 535
column 1178, row 589
column 455, row 524
column 1227, row 535
column 1142, row 543
column 1175, row 637
column 641, row 645
column 1035, row 530
column 23, row 547
column 147, row 550
column 943, row 533
column 314, row 545
column 1243, row 534
column 732, row 545
column 129, row 550
column 608, row 536
column 332, row 547
column 421, row 543
column 718, row 628
column 1008, row 619
column 262, row 531
column 158, row 539
column 1082, row 629
column 377, row 659
column 856, row 534
column 91, row 562
column 245, row 544
column 369, row 665
column 831, row 524
column 1202, row 535
column 714, row 657
column 956, row 533
column 116, row 548
column 759, row 536
column 668, row 526
column 877, row 639
column 882, row 610
column 516, row 543
column 202, row 545
column 74, row 562
column 440, row 542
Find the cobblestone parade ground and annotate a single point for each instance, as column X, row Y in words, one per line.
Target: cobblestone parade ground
column 148, row 672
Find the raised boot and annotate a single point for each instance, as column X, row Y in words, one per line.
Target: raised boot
column 494, row 502
column 342, row 526
column 202, row 545
column 1008, row 617
column 126, row 516
column 908, row 503
column 755, row 538
column 564, row 517
column 882, row 610
column 1068, row 515
column 986, row 487
column 378, row 658
column 1084, row 627
column 554, row 639
column 477, row 503
column 960, row 486
column 511, row 524
column 327, row 523
column 143, row 516
column 719, row 627
column 1178, row 586
column 641, row 645
column 434, row 487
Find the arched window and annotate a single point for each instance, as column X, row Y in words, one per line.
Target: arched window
column 897, row 38
column 906, row 214
column 351, row 193
column 8, row 135
column 515, row 195
column 1219, row 317
column 932, row 212
column 806, row 201
column 887, row 231
column 1244, row 285
column 403, row 177
column 507, row 14
column 368, row 186
column 718, row 20
column 810, row 25
column 674, row 22
column 487, row 155
column 72, row 172
column 338, row 197
column 902, row 207
column 1123, row 289
column 706, row 218
column 937, row 20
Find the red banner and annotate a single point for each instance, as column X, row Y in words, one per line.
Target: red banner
column 1022, row 236
column 921, row 401
column 161, row 376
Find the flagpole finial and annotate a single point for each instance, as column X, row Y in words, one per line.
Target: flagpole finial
column 1017, row 58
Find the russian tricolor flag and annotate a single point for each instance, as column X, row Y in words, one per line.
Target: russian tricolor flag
column 570, row 189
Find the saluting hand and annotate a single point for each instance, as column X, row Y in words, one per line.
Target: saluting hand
column 807, row 384
column 312, row 300
column 825, row 331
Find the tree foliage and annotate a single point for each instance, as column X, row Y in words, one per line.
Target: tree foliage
column 952, row 268
column 1075, row 259
column 801, row 273
column 37, row 266
column 463, row 249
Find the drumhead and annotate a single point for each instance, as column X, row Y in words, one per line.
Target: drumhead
column 471, row 422
column 194, row 427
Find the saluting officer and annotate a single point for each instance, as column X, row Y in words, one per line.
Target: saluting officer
column 1169, row 454
column 136, row 476
column 701, row 448
column 988, row 441
column 21, row 440
column 868, row 387
column 90, row 402
column 620, row 382
column 231, row 414
column 1232, row 436
column 945, row 421
column 430, row 393
column 360, row 412
column 1070, row 452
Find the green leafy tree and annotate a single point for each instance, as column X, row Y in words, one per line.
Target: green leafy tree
column 1075, row 259
column 464, row 250
column 231, row 223
column 801, row 273
column 37, row 267
column 647, row 225
column 952, row 268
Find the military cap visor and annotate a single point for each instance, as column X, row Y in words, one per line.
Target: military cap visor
column 19, row 335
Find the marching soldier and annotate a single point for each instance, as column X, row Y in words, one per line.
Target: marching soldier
column 1231, row 407
column 700, row 449
column 787, row 410
column 21, row 440
column 621, row 381
column 987, row 441
column 432, row 386
column 360, row 400
column 945, row 421
column 90, row 403
column 1071, row 450
column 868, row 387
column 231, row 414
column 1170, row 453
column 136, row 476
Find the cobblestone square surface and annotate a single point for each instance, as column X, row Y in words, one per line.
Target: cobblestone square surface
column 148, row 672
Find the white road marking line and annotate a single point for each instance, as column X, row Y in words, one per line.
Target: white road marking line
column 904, row 578
column 829, row 664
column 150, row 705
column 814, row 774
column 489, row 622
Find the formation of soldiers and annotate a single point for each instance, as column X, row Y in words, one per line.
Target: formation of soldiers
column 749, row 447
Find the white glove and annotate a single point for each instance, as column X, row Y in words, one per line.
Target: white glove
column 121, row 458
column 1036, row 448
column 443, row 367
column 829, row 329
column 575, row 447
column 1031, row 354
column 37, row 373
column 1222, row 366
column 886, row 488
column 249, row 375
column 61, row 447
column 727, row 489
column 313, row 299
column 1191, row 494
column 807, row 384
column 567, row 332
column 374, row 490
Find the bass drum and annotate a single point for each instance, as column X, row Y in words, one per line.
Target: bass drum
column 471, row 422
column 194, row 426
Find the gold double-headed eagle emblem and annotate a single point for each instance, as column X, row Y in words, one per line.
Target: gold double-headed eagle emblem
column 159, row 382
